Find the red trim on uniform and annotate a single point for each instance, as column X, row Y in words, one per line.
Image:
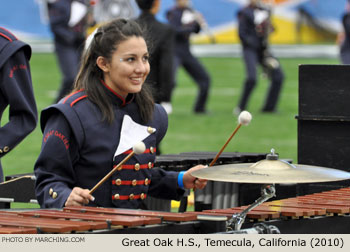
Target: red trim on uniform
column 132, row 167
column 146, row 151
column 110, row 89
column 126, row 197
column 65, row 99
column 78, row 99
column 6, row 37
column 129, row 182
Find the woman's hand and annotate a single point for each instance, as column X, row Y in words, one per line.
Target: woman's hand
column 193, row 182
column 79, row 197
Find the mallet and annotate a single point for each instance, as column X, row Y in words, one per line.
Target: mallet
column 244, row 118
column 138, row 148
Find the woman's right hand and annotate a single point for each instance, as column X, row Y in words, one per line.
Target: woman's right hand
column 79, row 197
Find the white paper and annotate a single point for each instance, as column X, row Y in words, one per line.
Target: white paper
column 131, row 134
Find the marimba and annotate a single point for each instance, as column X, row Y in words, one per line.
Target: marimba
column 105, row 220
column 325, row 212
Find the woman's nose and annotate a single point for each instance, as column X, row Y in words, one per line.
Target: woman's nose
column 142, row 66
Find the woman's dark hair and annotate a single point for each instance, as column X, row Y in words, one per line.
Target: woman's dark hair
column 104, row 43
column 145, row 4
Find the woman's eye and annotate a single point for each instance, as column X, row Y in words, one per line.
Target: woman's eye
column 146, row 58
column 131, row 59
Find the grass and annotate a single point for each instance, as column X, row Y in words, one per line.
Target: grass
column 187, row 131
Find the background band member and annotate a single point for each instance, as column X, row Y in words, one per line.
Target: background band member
column 68, row 27
column 254, row 29
column 92, row 130
column 345, row 43
column 16, row 91
column 161, row 37
column 186, row 21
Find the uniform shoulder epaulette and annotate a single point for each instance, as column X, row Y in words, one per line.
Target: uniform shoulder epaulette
column 65, row 108
column 9, row 44
column 7, row 35
column 74, row 98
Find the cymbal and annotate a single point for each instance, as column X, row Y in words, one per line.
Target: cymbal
column 270, row 171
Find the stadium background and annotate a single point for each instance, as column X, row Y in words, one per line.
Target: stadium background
column 296, row 21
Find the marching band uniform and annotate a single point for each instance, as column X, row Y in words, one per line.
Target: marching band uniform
column 16, row 91
column 177, row 18
column 253, row 34
column 79, row 150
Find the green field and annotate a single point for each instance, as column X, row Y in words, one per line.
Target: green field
column 187, row 131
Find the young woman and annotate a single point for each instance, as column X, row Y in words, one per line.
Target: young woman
column 91, row 130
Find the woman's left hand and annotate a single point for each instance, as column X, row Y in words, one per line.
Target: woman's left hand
column 191, row 182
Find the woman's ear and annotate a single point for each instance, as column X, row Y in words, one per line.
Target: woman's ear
column 102, row 63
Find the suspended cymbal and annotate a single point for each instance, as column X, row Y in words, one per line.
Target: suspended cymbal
column 270, row 171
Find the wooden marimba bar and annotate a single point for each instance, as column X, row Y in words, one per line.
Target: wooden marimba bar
column 325, row 212
column 103, row 220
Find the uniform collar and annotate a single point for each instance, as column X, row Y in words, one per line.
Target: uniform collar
column 116, row 98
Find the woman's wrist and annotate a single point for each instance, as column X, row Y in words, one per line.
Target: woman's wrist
column 180, row 181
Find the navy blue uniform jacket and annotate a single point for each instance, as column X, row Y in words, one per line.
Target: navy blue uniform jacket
column 16, row 91
column 247, row 29
column 78, row 150
column 183, row 31
column 59, row 13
